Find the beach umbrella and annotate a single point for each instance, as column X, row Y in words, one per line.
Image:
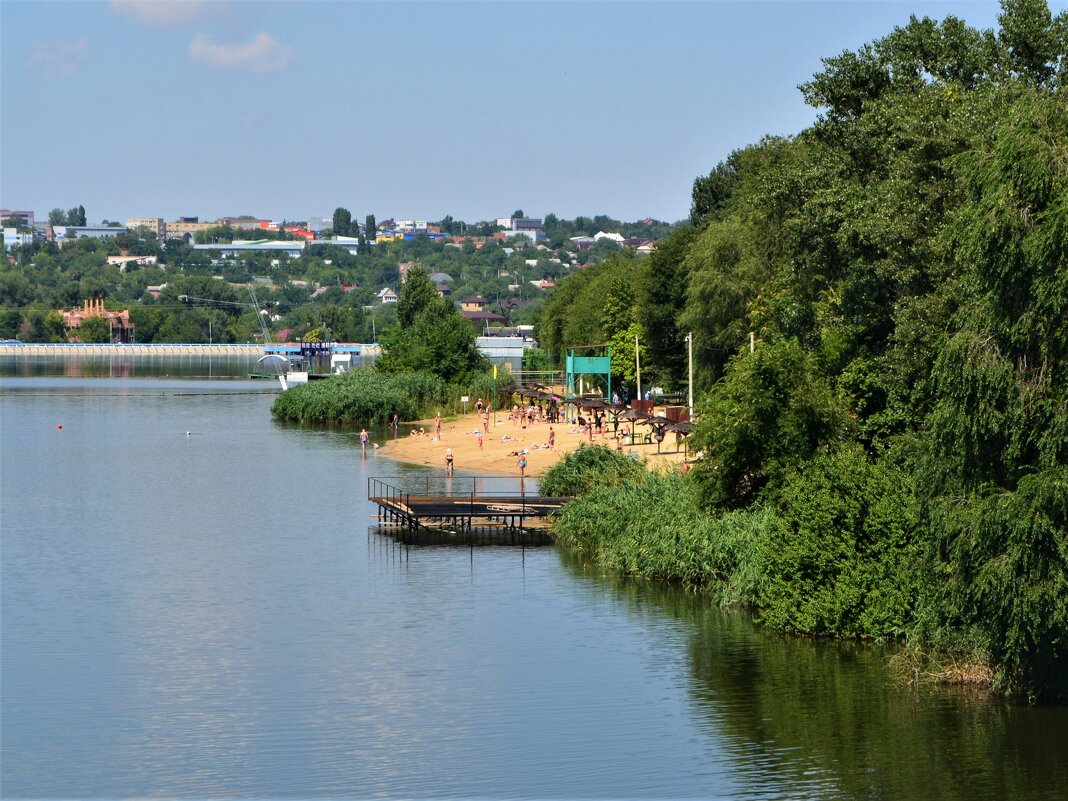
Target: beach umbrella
column 681, row 429
column 659, row 426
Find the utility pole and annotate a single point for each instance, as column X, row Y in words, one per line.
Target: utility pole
column 638, row 367
column 689, row 359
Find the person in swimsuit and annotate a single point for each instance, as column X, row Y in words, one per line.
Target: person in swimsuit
column 448, row 461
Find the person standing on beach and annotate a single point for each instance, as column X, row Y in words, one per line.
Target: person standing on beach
column 552, row 438
column 478, row 406
column 485, row 421
column 448, row 461
column 437, row 426
column 522, row 466
column 363, row 440
column 478, row 434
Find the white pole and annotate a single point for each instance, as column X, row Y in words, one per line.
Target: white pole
column 689, row 354
column 752, row 342
column 638, row 366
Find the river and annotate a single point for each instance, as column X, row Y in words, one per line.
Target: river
column 213, row 614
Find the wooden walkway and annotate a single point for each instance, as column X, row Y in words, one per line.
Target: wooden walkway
column 460, row 512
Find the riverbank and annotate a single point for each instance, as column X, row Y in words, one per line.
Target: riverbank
column 499, row 452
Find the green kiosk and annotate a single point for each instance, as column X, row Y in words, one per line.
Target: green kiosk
column 590, row 371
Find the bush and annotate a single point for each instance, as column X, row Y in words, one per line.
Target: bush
column 838, row 556
column 772, row 409
column 588, row 467
column 364, row 396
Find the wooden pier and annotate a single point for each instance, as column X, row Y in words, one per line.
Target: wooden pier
column 487, row 515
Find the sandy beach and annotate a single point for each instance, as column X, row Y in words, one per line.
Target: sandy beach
column 497, row 456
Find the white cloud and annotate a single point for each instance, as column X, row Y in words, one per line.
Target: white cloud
column 58, row 58
column 260, row 54
column 162, row 13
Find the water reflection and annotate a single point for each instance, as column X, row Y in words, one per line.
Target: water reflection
column 828, row 718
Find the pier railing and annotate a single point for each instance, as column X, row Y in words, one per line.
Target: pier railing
column 416, row 504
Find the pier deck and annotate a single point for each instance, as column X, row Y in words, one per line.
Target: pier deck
column 460, row 512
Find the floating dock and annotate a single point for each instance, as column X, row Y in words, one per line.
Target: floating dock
column 483, row 516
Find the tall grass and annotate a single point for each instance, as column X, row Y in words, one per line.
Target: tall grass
column 656, row 528
column 364, row 396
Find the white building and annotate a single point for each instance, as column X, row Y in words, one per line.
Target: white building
column 349, row 243
column 122, row 262
column 63, row 233
column 243, row 247
column 12, row 238
column 386, row 295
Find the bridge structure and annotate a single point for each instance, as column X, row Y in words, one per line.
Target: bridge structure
column 460, row 513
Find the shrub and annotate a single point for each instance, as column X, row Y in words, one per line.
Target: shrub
column 838, row 556
column 588, row 467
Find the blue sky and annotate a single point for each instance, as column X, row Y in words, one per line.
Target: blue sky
column 416, row 110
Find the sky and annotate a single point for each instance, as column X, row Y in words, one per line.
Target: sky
column 286, row 110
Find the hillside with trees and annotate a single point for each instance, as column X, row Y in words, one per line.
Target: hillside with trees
column 891, row 459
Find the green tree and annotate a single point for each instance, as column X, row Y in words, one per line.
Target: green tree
column 711, row 193
column 342, row 221
column 94, row 329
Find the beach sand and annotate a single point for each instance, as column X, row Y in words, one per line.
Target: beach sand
column 495, row 456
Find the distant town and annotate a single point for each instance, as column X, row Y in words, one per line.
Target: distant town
column 324, row 277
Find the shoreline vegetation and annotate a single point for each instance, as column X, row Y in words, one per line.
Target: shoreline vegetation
column 876, row 311
column 633, row 521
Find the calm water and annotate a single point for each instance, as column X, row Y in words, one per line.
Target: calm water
column 210, row 616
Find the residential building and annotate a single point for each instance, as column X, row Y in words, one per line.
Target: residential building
column 24, row 218
column 241, row 223
column 617, row 238
column 187, row 226
column 481, row 319
column 473, row 303
column 154, row 224
column 386, row 295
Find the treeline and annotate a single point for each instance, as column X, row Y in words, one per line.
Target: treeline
column 429, row 361
column 897, row 441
